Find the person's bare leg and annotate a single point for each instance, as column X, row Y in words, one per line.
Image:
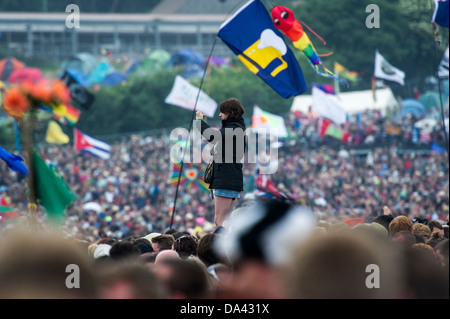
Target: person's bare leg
column 223, row 207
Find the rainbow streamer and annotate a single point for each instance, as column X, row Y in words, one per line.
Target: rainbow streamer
column 283, row 19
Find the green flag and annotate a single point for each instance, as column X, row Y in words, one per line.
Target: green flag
column 51, row 190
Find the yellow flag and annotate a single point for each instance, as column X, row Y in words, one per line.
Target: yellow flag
column 55, row 134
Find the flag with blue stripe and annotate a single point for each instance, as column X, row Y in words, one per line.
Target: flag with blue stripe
column 86, row 143
column 251, row 35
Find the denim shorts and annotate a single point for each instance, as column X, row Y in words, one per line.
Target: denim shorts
column 227, row 193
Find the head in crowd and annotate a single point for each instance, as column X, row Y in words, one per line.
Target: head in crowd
column 400, row 223
column 259, row 243
column 186, row 246
column 144, row 245
column 343, row 265
column 125, row 280
column 162, row 242
column 422, row 230
column 184, row 278
column 121, row 250
column 206, row 251
column 404, row 237
column 38, row 265
column 383, row 220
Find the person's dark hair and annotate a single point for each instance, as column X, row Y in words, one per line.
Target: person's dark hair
column 383, row 220
column 144, row 245
column 434, row 224
column 185, row 246
column 232, row 107
column 206, row 251
column 164, row 241
column 123, row 250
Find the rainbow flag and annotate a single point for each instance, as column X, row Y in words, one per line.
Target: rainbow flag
column 344, row 73
column 65, row 114
column 190, row 176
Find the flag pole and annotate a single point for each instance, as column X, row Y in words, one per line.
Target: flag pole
column 32, row 207
column 190, row 129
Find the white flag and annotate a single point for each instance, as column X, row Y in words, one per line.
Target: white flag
column 184, row 95
column 263, row 121
column 327, row 105
column 443, row 66
column 384, row 70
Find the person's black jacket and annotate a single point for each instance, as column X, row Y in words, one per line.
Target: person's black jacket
column 227, row 165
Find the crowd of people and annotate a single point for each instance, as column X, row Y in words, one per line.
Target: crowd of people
column 270, row 250
column 125, row 210
column 130, row 193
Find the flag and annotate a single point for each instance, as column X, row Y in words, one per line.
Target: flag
column 191, row 176
column 327, row 88
column 435, row 148
column 184, row 94
column 7, row 212
column 384, row 70
column 267, row 189
column 251, row 35
column 14, row 162
column 327, row 105
column 263, row 121
column 86, row 143
column 50, row 189
column 327, row 128
column 79, row 93
column 66, row 114
column 342, row 72
column 443, row 66
column 440, row 14
column 55, row 134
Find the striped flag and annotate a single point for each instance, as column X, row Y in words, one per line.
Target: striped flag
column 329, row 129
column 86, row 143
column 440, row 14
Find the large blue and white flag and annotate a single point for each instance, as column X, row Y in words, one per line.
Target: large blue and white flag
column 251, row 35
column 440, row 15
column 86, row 143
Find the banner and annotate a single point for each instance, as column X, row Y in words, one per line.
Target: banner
column 184, row 94
column 384, row 70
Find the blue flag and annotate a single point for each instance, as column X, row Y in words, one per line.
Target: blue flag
column 251, row 35
column 440, row 15
column 14, row 162
column 435, row 148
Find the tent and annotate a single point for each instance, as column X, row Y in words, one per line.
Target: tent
column 190, row 61
column 156, row 60
column 100, row 72
column 430, row 99
column 84, row 62
column 114, row 78
column 354, row 102
column 8, row 65
column 412, row 106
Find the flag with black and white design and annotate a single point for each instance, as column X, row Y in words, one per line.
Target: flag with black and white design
column 384, row 70
column 443, row 66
